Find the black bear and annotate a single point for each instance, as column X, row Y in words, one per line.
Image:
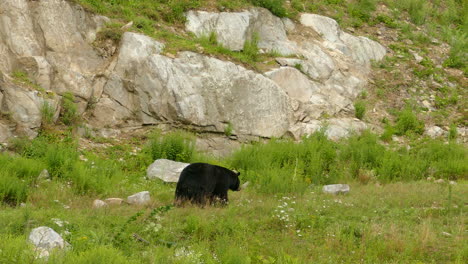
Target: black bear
column 200, row 183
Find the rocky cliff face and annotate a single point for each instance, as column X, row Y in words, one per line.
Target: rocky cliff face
column 52, row 41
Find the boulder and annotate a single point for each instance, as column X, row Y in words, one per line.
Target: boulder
column 140, row 198
column 45, row 239
column 336, row 188
column 166, row 170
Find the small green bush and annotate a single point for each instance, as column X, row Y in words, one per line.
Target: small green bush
column 47, row 113
column 452, row 133
column 213, row 38
column 228, row 129
column 389, row 131
column 362, row 152
column 275, row 6
column 13, row 190
column 418, row 11
column 362, row 9
column 407, row 122
column 360, row 109
column 251, row 49
column 16, row 249
column 178, row 146
column 69, row 109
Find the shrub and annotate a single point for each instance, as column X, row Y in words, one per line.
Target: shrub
column 251, row 49
column 276, row 7
column 444, row 160
column 178, row 146
column 389, row 131
column 452, row 135
column 175, row 11
column 13, row 190
column 47, row 113
column 407, row 123
column 282, row 166
column 360, row 109
column 228, row 129
column 16, row 249
column 16, row 175
column 362, row 9
column 418, row 11
column 69, row 109
column 213, row 38
column 362, row 152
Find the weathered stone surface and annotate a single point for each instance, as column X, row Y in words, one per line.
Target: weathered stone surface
column 294, row 83
column 335, row 128
column 51, row 42
column 23, row 105
column 5, row 132
column 234, row 29
column 140, row 198
column 361, row 49
column 336, row 188
column 192, row 89
column 166, row 170
column 434, row 131
column 46, row 239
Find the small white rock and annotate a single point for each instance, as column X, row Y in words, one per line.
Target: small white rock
column 446, row 234
column 127, row 26
column 336, row 188
column 452, row 182
column 99, row 204
column 114, row 201
column 139, row 198
column 244, row 186
column 439, row 181
column 44, row 175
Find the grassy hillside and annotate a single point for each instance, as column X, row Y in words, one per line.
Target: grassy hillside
column 392, row 214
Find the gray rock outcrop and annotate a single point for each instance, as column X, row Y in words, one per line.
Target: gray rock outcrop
column 166, row 170
column 192, row 89
column 329, row 72
column 51, row 42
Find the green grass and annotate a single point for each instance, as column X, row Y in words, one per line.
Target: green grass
column 392, row 216
column 69, row 114
column 360, row 109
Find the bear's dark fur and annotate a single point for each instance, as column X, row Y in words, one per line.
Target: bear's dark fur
column 200, row 183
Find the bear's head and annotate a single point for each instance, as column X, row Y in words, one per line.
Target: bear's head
column 234, row 181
